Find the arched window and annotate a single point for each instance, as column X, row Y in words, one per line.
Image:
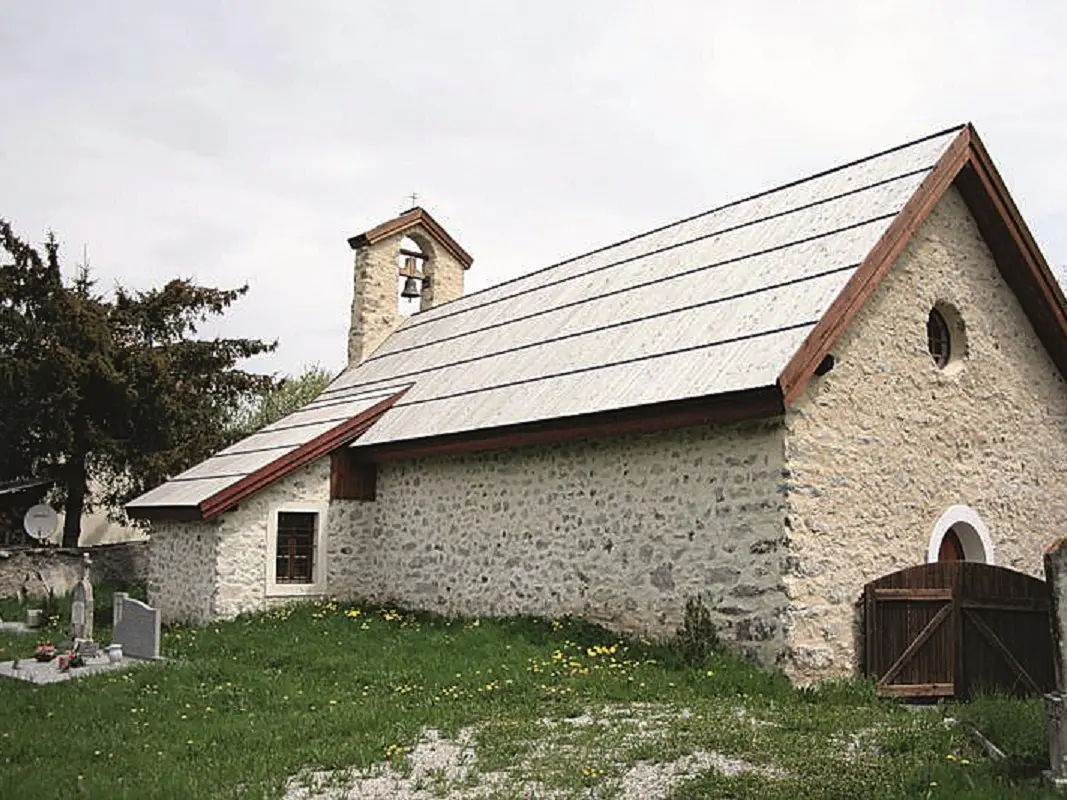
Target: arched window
column 960, row 535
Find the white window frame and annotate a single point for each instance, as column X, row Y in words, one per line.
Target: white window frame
column 318, row 583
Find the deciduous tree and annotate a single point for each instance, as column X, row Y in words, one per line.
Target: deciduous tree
column 282, row 399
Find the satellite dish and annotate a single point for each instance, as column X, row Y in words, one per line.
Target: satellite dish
column 40, row 522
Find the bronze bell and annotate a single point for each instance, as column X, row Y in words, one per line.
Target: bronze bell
column 411, row 288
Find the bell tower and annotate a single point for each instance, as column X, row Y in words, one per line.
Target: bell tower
column 405, row 261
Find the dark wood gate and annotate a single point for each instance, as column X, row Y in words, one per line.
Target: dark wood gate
column 950, row 629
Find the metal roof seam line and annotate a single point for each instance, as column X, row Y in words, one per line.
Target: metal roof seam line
column 416, row 321
column 621, row 362
column 377, row 359
column 733, row 203
column 623, row 323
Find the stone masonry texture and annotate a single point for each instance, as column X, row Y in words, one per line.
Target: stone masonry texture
column 882, row 445
column 33, row 571
column 181, row 571
column 202, row 571
column 619, row 531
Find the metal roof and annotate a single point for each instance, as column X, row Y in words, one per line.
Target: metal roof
column 261, row 449
column 716, row 303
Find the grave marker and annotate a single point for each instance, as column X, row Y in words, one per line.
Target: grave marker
column 136, row 627
column 81, row 609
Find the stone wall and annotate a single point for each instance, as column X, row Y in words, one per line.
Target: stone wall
column 181, row 581
column 217, row 569
column 618, row 531
column 883, row 444
column 241, row 568
column 32, row 571
column 121, row 562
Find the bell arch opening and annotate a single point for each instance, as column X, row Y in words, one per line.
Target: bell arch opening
column 960, row 535
column 411, row 260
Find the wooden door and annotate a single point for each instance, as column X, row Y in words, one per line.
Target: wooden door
column 910, row 632
column 953, row 628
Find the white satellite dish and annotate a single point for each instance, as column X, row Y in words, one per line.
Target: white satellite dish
column 41, row 522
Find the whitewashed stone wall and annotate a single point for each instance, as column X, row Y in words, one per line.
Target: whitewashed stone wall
column 618, row 531
column 217, row 569
column 882, row 445
column 241, row 567
column 181, row 571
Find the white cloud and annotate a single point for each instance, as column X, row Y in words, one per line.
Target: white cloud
column 246, row 141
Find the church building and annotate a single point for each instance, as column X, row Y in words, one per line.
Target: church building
column 765, row 405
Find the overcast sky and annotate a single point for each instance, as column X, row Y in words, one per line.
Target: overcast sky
column 244, row 142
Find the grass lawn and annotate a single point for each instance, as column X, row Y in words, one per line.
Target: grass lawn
column 241, row 707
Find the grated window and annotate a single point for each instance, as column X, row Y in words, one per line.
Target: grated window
column 295, row 559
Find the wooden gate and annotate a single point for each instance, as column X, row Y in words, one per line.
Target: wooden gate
column 950, row 629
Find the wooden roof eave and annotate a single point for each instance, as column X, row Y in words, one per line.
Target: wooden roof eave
column 224, row 500
column 407, row 221
column 760, row 403
column 965, row 164
column 1018, row 258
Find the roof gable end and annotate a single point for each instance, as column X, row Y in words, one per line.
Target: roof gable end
column 967, row 165
column 411, row 218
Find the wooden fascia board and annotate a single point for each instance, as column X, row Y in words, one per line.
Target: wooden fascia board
column 407, row 221
column 1017, row 256
column 165, row 513
column 225, row 499
column 730, row 407
column 796, row 374
column 1017, row 224
column 318, row 447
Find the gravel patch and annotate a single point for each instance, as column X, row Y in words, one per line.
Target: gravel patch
column 440, row 767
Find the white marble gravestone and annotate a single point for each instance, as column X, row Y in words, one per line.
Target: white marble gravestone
column 136, row 627
column 81, row 607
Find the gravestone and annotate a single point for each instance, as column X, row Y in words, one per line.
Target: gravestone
column 81, row 607
column 136, row 627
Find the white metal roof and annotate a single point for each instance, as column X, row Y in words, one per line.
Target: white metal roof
column 261, row 449
column 716, row 303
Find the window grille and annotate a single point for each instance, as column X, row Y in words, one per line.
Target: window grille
column 295, row 559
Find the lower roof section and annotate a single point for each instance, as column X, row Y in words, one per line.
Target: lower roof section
column 218, row 484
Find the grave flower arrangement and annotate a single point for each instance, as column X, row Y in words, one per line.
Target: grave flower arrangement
column 44, row 652
column 72, row 658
